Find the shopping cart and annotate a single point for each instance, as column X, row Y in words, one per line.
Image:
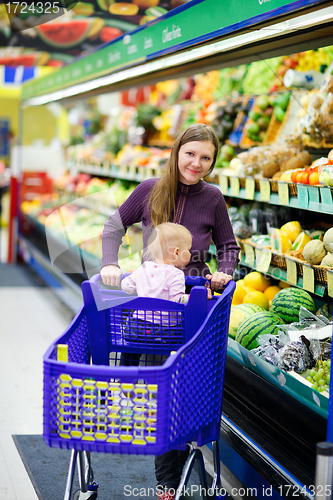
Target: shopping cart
column 172, row 397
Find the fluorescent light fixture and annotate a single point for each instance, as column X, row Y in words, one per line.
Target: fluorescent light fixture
column 298, row 23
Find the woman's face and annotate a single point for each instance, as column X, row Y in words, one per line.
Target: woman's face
column 194, row 161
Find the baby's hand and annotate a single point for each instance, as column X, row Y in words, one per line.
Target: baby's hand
column 209, row 293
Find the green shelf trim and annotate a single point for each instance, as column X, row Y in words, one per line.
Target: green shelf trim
column 293, row 201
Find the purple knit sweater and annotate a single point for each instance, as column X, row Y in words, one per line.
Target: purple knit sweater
column 200, row 208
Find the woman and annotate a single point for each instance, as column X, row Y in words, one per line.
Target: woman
column 182, row 197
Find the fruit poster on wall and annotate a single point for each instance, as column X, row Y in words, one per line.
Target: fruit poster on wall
column 34, row 33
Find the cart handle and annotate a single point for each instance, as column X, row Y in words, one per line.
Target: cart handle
column 189, row 280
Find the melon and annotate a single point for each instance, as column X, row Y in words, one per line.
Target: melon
column 279, row 241
column 327, row 260
column 260, row 323
column 300, row 242
column 65, row 34
column 291, row 229
column 239, row 314
column 328, row 240
column 314, row 252
column 287, row 303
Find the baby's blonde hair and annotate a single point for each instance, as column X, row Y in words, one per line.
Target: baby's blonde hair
column 167, row 236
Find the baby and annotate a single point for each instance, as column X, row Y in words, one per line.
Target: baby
column 169, row 247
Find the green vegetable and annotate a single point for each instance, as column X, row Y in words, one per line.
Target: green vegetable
column 253, row 128
column 279, row 113
column 254, row 115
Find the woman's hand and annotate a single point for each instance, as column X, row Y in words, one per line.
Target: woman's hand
column 218, row 280
column 111, row 275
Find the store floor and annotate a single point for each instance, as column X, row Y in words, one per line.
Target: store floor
column 31, row 317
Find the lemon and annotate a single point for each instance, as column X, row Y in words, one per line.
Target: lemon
column 257, row 281
column 271, row 291
column 258, row 298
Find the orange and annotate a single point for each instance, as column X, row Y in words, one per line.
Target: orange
column 258, row 298
column 145, row 4
column 123, row 9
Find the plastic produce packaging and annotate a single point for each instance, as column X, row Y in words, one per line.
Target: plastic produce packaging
column 297, row 355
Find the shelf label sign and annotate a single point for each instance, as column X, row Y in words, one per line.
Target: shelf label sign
column 308, row 278
column 291, row 271
column 329, row 282
column 265, row 190
column 283, row 190
column 303, row 196
column 249, row 255
column 326, row 195
column 263, row 259
column 313, row 194
column 223, row 181
column 249, row 188
column 234, row 183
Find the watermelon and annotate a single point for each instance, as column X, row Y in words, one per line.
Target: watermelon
column 67, row 34
column 260, row 323
column 239, row 314
column 288, row 301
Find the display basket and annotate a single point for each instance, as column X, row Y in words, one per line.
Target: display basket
column 97, row 401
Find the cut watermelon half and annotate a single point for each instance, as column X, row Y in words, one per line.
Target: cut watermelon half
column 65, row 34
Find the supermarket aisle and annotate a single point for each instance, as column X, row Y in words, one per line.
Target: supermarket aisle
column 30, row 317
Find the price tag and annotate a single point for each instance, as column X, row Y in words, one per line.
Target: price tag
column 291, row 271
column 149, row 172
column 283, row 190
column 234, row 184
column 142, row 171
column 313, row 194
column 326, row 195
column 265, row 189
column 330, row 282
column 249, row 255
column 249, row 188
column 308, row 278
column 264, row 260
column 303, row 195
column 123, row 169
column 132, row 171
column 223, row 181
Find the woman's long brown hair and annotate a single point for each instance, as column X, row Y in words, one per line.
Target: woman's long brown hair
column 163, row 195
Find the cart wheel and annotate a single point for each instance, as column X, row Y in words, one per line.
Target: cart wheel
column 79, row 495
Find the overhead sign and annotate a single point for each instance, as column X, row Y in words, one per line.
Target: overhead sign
column 174, row 30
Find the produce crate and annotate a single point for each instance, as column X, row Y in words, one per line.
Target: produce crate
column 292, row 187
column 274, row 128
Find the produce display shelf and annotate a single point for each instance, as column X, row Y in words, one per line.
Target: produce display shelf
column 279, row 378
column 293, row 201
column 312, row 198
column 64, row 287
column 281, row 275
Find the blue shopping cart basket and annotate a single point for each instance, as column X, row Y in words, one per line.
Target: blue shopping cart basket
column 173, row 396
